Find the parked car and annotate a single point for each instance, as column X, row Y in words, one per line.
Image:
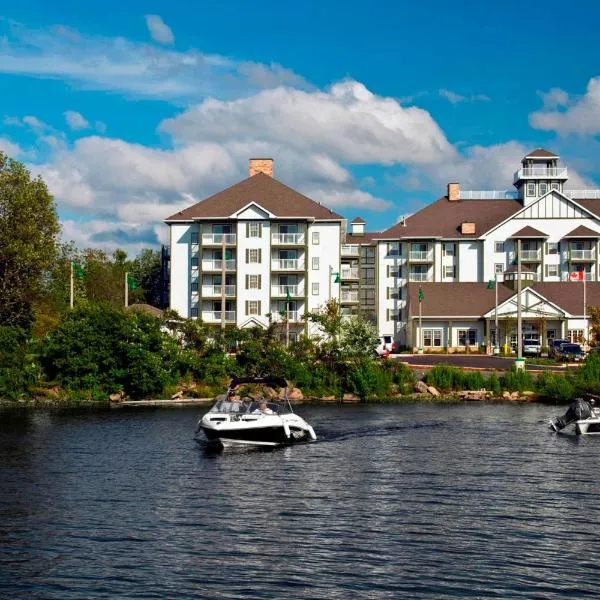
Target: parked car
column 570, row 353
column 531, row 345
column 386, row 345
column 554, row 346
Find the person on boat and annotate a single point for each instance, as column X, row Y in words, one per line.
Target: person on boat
column 263, row 409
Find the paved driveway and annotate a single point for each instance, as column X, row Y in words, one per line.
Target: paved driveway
column 478, row 361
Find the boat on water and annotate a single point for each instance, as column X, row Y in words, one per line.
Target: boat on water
column 582, row 417
column 237, row 420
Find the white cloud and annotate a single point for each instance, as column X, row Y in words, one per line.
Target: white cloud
column 76, row 121
column 9, row 148
column 159, row 30
column 580, row 116
column 455, row 98
column 35, row 123
column 554, row 98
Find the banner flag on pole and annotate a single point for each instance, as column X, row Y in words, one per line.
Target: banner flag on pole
column 131, row 282
column 577, row 276
column 78, row 270
column 490, row 284
column 421, row 294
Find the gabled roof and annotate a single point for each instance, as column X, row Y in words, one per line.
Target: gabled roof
column 569, row 294
column 582, row 232
column 443, row 218
column 529, row 232
column 358, row 220
column 268, row 193
column 365, row 238
column 541, row 153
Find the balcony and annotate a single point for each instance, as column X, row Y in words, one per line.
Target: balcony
column 287, row 264
column 348, row 296
column 281, row 291
column 218, row 239
column 216, row 291
column 531, row 255
column 217, row 265
column 587, row 275
column 350, row 250
column 287, row 239
column 579, row 255
column 420, row 277
column 293, row 316
column 349, row 273
column 214, row 316
column 420, row 255
column 541, row 173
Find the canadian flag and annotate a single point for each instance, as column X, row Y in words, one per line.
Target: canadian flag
column 577, row 276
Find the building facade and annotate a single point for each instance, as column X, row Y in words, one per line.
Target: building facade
column 259, row 251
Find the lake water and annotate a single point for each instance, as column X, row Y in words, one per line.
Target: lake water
column 401, row 501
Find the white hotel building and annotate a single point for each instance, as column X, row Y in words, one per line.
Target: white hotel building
column 283, row 253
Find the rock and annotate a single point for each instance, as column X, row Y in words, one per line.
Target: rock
column 421, row 387
column 514, row 396
column 296, row 395
column 432, row 391
column 116, row 397
column 177, row 395
column 350, row 398
column 506, row 395
column 329, row 399
column 270, row 393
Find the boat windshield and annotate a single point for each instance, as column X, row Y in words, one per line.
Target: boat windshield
column 246, row 406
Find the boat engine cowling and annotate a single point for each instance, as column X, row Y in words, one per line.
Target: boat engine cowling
column 579, row 409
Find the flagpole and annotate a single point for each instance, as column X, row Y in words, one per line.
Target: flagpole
column 519, row 317
column 497, row 333
column 420, row 348
column 126, row 290
column 287, row 323
column 585, row 319
column 71, row 286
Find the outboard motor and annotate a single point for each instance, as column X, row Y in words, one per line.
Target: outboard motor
column 580, row 409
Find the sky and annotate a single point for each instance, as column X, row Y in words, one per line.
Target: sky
column 131, row 111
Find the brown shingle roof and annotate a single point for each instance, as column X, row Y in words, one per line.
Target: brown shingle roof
column 442, row 219
column 568, row 295
column 358, row 220
column 147, row 308
column 272, row 195
column 362, row 239
column 541, row 153
column 582, row 232
column 529, row 232
column 593, row 205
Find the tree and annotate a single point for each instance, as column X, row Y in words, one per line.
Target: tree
column 358, row 338
column 28, row 231
column 145, row 269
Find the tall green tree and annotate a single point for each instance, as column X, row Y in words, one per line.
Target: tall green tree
column 28, row 232
column 145, row 269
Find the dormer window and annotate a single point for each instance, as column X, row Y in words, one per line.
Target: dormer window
column 543, row 188
column 555, row 185
column 531, row 189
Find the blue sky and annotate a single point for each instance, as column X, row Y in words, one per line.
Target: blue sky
column 131, row 111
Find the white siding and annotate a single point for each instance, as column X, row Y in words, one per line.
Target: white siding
column 181, row 269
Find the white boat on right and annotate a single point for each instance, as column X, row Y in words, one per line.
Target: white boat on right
column 582, row 417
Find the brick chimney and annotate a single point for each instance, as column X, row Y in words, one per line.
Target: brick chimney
column 454, row 192
column 261, row 165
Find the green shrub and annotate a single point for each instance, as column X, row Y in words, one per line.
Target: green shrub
column 18, row 367
column 517, row 381
column 493, row 384
column 445, row 378
column 555, row 386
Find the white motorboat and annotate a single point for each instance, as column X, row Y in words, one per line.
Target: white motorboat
column 582, row 416
column 235, row 420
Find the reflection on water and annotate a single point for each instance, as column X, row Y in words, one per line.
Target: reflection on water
column 416, row 501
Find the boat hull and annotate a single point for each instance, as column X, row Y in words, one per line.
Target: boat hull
column 261, row 436
column 587, row 427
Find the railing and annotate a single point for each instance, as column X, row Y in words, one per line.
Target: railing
column 291, row 315
column 287, row 238
column 218, row 238
column 351, row 273
column 287, row 264
column 420, row 255
column 214, row 316
column 422, row 277
column 217, row 264
column 349, row 296
column 217, row 290
column 531, row 254
column 282, row 290
column 582, row 254
column 546, row 172
column 587, row 275
column 350, row 250
column 589, row 194
column 488, row 195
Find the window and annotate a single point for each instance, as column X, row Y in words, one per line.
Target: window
column 551, row 334
column 552, row 248
column 253, row 282
column 195, row 237
column 449, row 271
column 551, row 270
column 316, row 238
column 315, row 289
column 195, row 262
column 467, row 337
column 253, row 307
column 555, row 185
column 392, row 315
column 367, row 275
column 394, row 293
column 194, row 313
column 367, row 255
column 499, row 268
column 543, row 188
column 449, row 250
column 288, row 228
column 194, row 288
column 531, row 189
column 394, row 249
column 225, row 228
column 395, row 272
column 575, row 336
column 253, row 229
column 432, row 338
column 315, row 263
column 498, row 246
column 253, row 255
column 366, row 296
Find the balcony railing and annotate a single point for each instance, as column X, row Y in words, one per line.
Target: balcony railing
column 349, row 296
column 587, row 275
column 588, row 194
column 541, row 173
column 583, row 254
column 421, row 277
column 292, row 239
column 287, row 264
column 291, row 315
column 350, row 250
column 281, row 291
column 217, row 264
column 488, row 195
column 421, row 255
column 351, row 273
column 218, row 238
column 531, row 254
column 214, row 316
column 217, row 290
